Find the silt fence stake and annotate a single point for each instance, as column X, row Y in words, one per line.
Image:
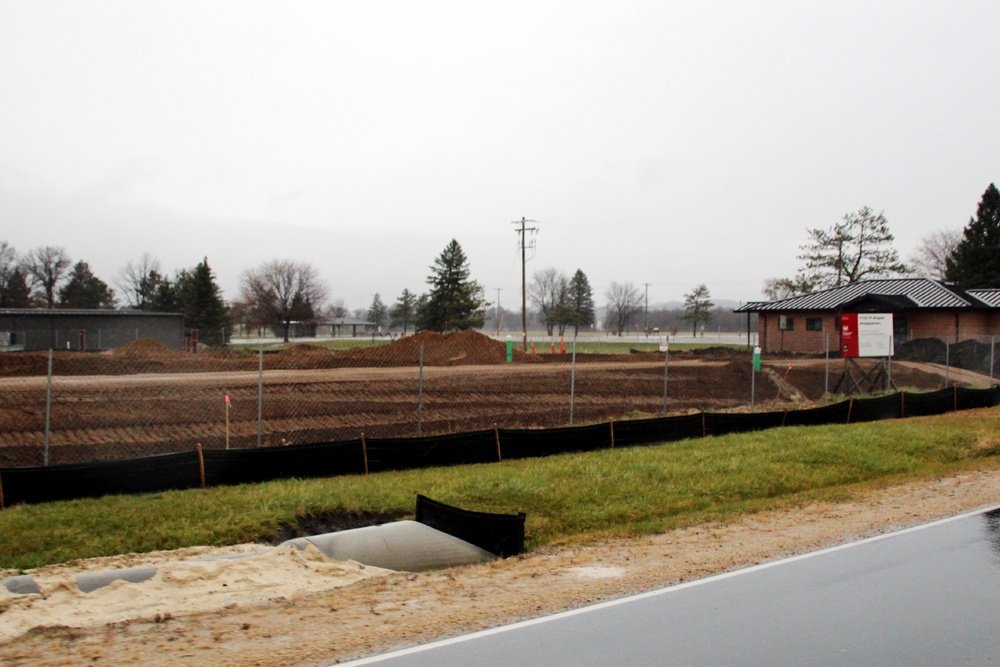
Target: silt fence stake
column 420, row 390
column 201, row 466
column 572, row 383
column 260, row 393
column 496, row 436
column 364, row 452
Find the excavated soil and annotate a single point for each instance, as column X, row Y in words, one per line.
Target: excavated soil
column 145, row 399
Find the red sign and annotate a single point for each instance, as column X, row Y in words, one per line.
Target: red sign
column 849, row 335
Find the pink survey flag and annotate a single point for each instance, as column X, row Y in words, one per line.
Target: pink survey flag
column 228, row 402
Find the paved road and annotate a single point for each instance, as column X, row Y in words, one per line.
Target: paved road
column 925, row 596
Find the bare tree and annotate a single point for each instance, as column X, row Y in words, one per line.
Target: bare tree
column 137, row 281
column 929, row 260
column 549, row 292
column 283, row 291
column 624, row 303
column 46, row 267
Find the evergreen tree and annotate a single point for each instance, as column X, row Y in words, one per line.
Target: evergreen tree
column 14, row 289
column 200, row 300
column 454, row 303
column 697, row 307
column 16, row 293
column 975, row 263
column 404, row 311
column 856, row 248
column 85, row 290
column 581, row 298
column 377, row 312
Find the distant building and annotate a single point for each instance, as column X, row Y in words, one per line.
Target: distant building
column 88, row 330
column 921, row 308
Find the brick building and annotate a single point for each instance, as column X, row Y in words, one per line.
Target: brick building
column 921, row 308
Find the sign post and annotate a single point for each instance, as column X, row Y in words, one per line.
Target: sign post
column 753, row 377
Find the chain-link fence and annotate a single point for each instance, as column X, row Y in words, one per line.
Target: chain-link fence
column 143, row 398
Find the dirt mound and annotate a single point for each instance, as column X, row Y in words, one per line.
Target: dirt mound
column 462, row 348
column 302, row 356
column 143, row 348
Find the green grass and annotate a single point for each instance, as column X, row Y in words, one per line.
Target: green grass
column 568, row 499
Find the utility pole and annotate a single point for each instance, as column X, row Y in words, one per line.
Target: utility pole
column 524, row 242
column 498, row 312
column 645, row 311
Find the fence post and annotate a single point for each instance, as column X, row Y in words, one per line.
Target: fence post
column 902, row 404
column 704, row 427
column 364, row 451
column 496, row 436
column 611, row 426
column 666, row 367
column 993, row 344
column 48, row 408
column 572, row 383
column 826, row 370
column 201, row 466
column 260, row 393
column 850, row 409
column 420, row 394
column 947, row 363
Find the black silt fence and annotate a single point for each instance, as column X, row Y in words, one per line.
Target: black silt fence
column 432, row 451
column 723, row 423
column 500, row 534
column 529, row 443
column 344, row 457
column 875, row 409
column 166, row 472
column 248, row 466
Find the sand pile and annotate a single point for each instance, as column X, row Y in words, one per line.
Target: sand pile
column 180, row 587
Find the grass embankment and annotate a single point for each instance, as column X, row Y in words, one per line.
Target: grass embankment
column 568, row 498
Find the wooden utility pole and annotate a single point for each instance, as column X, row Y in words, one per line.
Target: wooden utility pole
column 523, row 241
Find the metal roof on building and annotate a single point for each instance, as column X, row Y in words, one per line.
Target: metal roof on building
column 988, row 296
column 900, row 292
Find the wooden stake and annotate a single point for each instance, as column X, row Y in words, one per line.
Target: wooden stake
column 496, row 435
column 902, row 404
column 1, row 493
column 201, row 466
column 364, row 452
column 611, row 424
column 704, row 429
column 227, row 421
column 850, row 409
column 784, row 418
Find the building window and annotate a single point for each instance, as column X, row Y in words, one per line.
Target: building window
column 786, row 323
column 814, row 324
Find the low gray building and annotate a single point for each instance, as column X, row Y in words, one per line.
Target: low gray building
column 87, row 330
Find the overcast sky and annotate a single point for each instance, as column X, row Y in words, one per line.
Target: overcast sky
column 667, row 143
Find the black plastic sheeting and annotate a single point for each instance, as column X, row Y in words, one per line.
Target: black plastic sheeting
column 348, row 457
column 500, row 534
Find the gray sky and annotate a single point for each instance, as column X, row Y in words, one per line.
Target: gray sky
column 656, row 142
